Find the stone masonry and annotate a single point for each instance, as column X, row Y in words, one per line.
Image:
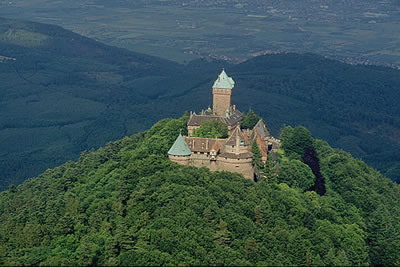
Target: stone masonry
column 230, row 154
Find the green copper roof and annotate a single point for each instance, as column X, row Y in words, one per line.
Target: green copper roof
column 224, row 81
column 180, row 148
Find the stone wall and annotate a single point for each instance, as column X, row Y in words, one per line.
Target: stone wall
column 221, row 101
column 183, row 160
column 242, row 166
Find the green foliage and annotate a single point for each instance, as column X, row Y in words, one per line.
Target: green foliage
column 256, row 155
column 222, row 236
column 336, row 101
column 296, row 174
column 58, row 100
column 127, row 204
column 66, row 93
column 295, row 141
column 375, row 196
column 250, row 120
column 212, row 129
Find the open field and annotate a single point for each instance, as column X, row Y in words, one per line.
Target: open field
column 182, row 33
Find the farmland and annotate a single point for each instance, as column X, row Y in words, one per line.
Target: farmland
column 355, row 32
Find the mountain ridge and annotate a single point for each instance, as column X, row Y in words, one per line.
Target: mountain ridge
column 57, row 102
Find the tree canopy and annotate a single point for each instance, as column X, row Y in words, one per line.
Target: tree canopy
column 127, row 204
column 250, row 119
column 57, row 100
column 256, row 155
column 211, row 129
column 295, row 141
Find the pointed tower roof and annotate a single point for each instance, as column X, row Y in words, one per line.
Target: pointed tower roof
column 224, row 81
column 180, row 148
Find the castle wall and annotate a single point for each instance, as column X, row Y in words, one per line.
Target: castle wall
column 183, row 160
column 236, row 149
column 200, row 160
column 242, row 166
column 221, row 101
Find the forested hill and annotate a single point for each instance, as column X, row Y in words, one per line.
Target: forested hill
column 352, row 107
column 62, row 93
column 127, row 204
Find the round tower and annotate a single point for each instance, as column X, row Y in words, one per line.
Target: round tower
column 180, row 151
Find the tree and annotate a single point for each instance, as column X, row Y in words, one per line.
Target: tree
column 383, row 239
column 296, row 174
column 296, row 141
column 12, row 188
column 250, row 120
column 167, row 214
column 222, row 236
column 256, row 155
column 212, row 129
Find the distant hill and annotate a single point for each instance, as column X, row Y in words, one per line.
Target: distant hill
column 62, row 94
column 127, row 204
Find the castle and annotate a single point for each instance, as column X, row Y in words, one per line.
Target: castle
column 231, row 154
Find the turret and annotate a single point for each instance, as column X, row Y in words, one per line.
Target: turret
column 180, row 151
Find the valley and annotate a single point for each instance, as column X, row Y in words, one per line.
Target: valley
column 65, row 94
column 356, row 32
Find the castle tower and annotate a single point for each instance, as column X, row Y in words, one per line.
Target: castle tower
column 180, row 151
column 222, row 91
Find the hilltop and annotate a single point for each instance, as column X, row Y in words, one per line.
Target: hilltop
column 63, row 93
column 128, row 204
column 354, row 108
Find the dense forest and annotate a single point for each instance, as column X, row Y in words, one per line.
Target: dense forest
column 127, row 204
column 62, row 93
